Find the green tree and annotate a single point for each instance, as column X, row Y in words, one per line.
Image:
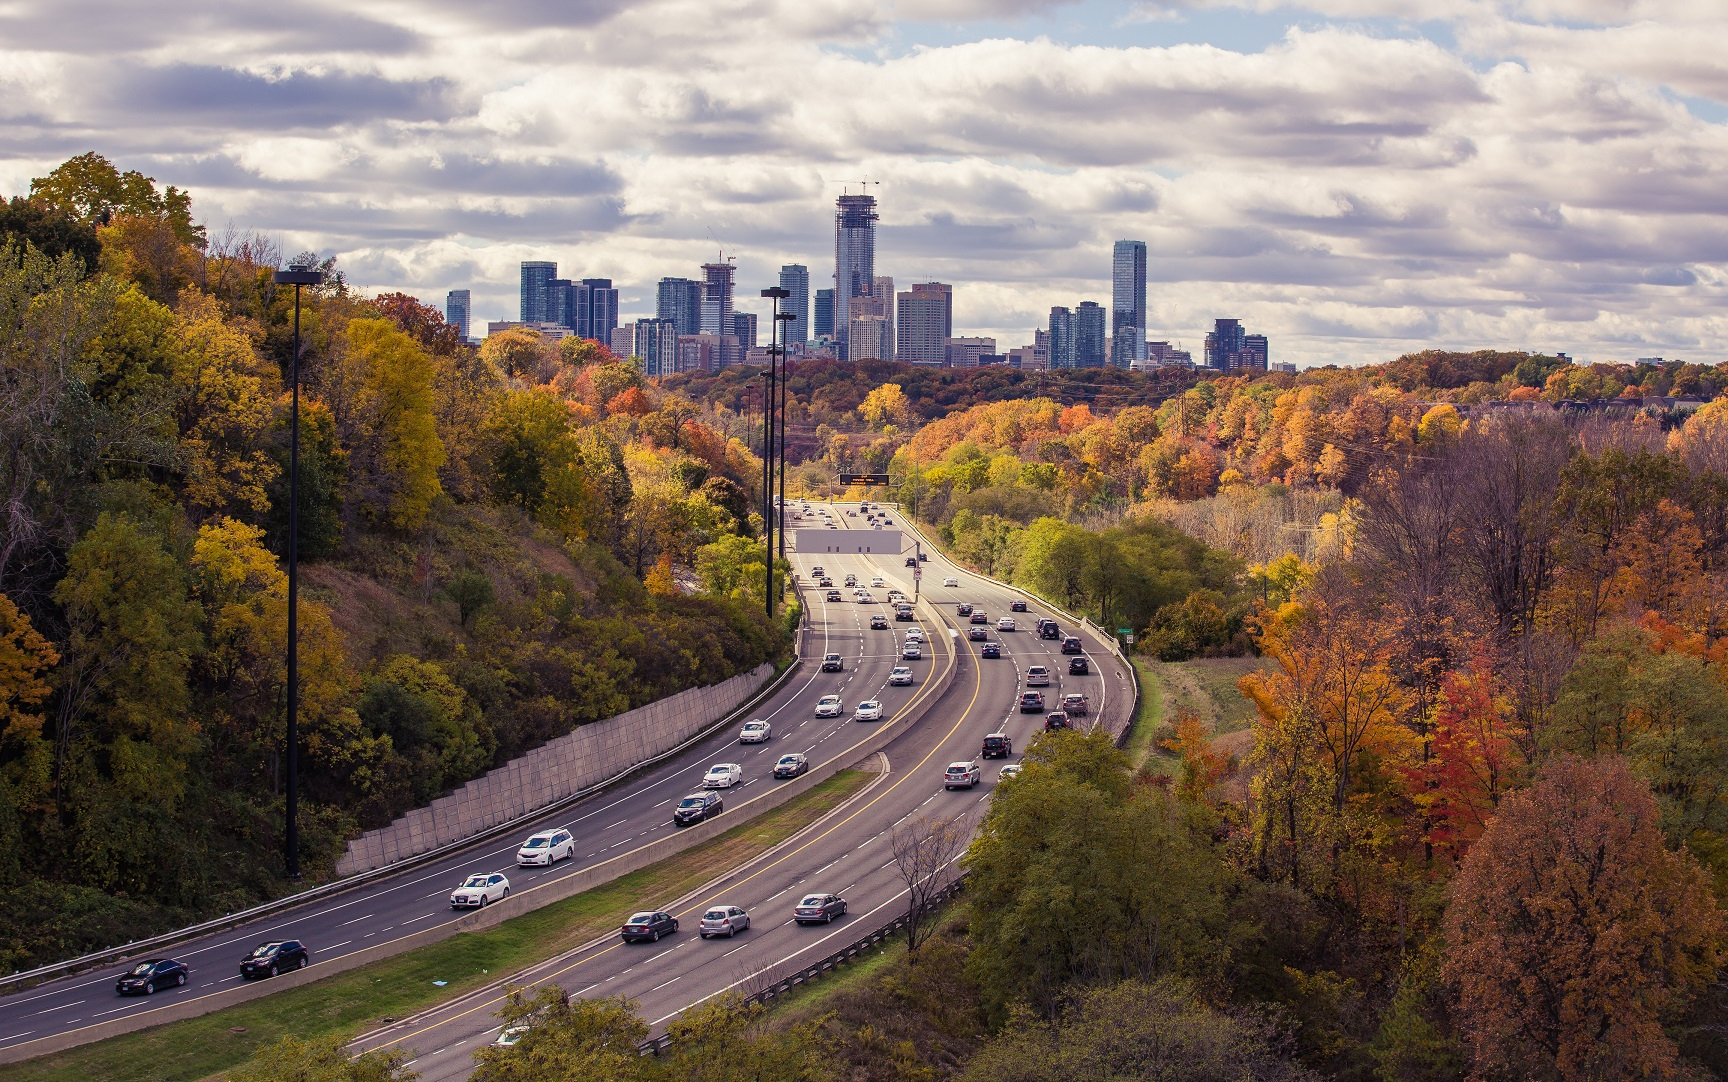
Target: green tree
column 538, row 462
column 565, row 1037
column 90, row 187
column 52, row 231
column 324, row 1059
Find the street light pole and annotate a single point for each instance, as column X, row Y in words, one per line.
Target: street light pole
column 775, row 294
column 783, row 321
column 768, row 483
column 296, row 277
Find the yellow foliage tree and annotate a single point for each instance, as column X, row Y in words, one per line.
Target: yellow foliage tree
column 398, row 375
column 886, row 405
column 222, row 407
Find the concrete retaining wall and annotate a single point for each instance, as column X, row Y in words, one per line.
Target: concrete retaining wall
column 551, row 772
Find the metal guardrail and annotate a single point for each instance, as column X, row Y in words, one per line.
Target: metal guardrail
column 654, row 1046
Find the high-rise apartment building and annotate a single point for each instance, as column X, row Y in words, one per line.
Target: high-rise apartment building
column 535, row 276
column 869, row 338
column 924, row 318
column 594, row 308
column 459, row 312
column 717, row 297
column 1254, row 353
column 680, row 300
column 622, row 340
column 657, row 345
column 1061, row 337
column 744, row 327
column 855, row 220
column 557, row 303
column 882, row 288
column 795, row 279
column 1089, row 335
column 1226, row 338
column 1128, row 303
column 822, row 317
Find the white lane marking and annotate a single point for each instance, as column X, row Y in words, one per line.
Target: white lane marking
column 63, row 1006
column 423, row 916
column 596, row 984
column 333, row 946
column 621, row 822
column 27, row 1032
column 369, row 916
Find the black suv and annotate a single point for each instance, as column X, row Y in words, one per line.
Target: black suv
column 269, row 959
column 1056, row 720
column 696, row 807
column 146, row 977
column 1078, row 666
column 963, row 609
column 1047, row 629
column 1016, row 606
column 1071, row 645
column 1032, row 703
column 997, row 746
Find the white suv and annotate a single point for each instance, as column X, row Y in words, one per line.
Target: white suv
column 962, row 775
column 1037, row 676
column 829, row 706
column 547, row 847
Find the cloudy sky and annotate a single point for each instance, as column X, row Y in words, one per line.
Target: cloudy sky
column 1354, row 178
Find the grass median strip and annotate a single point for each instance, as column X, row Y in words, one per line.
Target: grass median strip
column 1147, row 717
column 353, row 1002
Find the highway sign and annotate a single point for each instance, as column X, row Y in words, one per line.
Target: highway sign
column 863, row 478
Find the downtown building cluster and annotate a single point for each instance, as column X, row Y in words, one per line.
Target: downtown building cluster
column 861, row 317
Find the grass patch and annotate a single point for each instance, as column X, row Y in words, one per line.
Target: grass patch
column 353, row 1002
column 809, row 998
column 1206, row 687
column 1148, row 715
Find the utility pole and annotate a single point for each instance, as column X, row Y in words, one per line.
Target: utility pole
column 774, row 400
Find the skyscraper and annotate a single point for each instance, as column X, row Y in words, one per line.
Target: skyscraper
column 1089, row 335
column 680, row 300
column 744, row 326
column 925, row 318
column 458, row 311
column 657, row 345
column 535, row 276
column 1061, row 338
column 1226, row 338
column 557, row 303
column 594, row 308
column 795, row 279
column 1128, row 303
column 822, row 323
column 868, row 338
column 882, row 288
column 717, row 297
column 854, row 253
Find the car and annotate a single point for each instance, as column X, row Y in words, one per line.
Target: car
column 851, row 580
column 697, row 807
column 900, row 677
column 863, row 597
column 832, row 595
column 831, row 662
column 914, row 634
column 1056, row 719
column 962, row 775
column 990, row 650
column 851, row 514
column 150, row 976
column 755, row 732
column 1005, row 624
column 978, row 617
column 791, row 765
column 896, row 595
column 546, row 847
column 1074, row 705
column 823, row 908
column 875, row 581
column 276, row 956
column 511, row 1036
column 911, row 561
column 1016, row 606
column 479, row 891
column 726, row 920
column 868, row 710
column 1079, row 666
column 829, row 706
column 912, row 652
column 1048, row 630
column 949, row 581
column 963, row 609
column 1072, row 645
column 878, row 622
column 1032, row 703
column 1037, row 676
column 722, row 776
column 826, row 582
column 648, row 927
column 978, row 634
column 817, row 571
column 903, row 611
column 1009, row 770
column 997, row 746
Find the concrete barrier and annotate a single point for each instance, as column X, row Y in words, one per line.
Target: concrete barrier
column 875, row 739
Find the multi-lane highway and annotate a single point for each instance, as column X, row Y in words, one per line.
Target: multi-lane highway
column 850, row 854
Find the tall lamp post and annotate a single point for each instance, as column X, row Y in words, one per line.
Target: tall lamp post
column 296, row 277
column 783, row 321
column 775, row 294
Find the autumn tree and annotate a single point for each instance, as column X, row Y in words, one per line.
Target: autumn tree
column 26, row 663
column 1475, row 758
column 223, row 408
column 324, row 1059
column 886, row 405
column 395, row 421
column 1573, row 934
column 520, row 353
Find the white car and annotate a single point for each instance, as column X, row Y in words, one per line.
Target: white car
column 911, row 652
column 829, row 706
column 1009, row 770
column 863, row 598
column 726, row 920
column 950, row 581
column 1037, row 676
column 480, row 890
column 900, row 677
column 755, row 732
column 722, row 776
column 547, row 847
column 1004, row 624
column 510, row 1037
column 962, row 775
column 868, row 710
column 875, row 580
column 915, row 634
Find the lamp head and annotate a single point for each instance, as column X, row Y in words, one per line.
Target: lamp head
column 299, row 276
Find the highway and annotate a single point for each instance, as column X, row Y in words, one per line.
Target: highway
column 609, row 824
column 850, row 854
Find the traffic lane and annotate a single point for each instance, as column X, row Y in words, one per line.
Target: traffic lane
column 408, row 903
column 462, row 1024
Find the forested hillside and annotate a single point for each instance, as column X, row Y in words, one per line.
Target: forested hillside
column 487, row 541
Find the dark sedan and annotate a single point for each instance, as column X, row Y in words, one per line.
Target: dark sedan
column 978, row 634
column 269, row 959
column 1078, row 666
column 977, row 617
column 148, row 977
column 821, row 908
column 648, row 927
column 696, row 807
column 991, row 649
column 1013, row 606
column 791, row 765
